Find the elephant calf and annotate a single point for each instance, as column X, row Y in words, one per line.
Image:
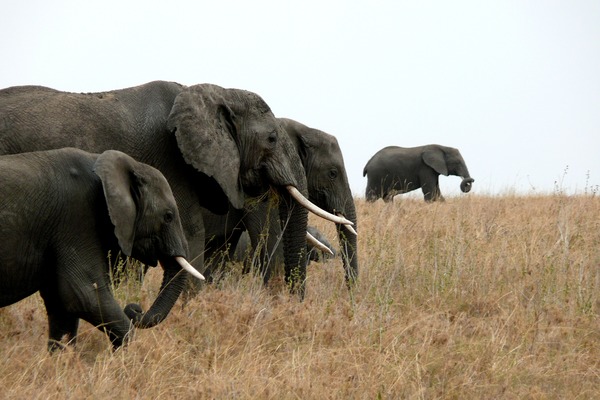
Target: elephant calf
column 62, row 212
column 394, row 170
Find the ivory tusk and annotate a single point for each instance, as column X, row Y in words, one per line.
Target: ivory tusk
column 315, row 242
column 349, row 227
column 304, row 202
column 188, row 267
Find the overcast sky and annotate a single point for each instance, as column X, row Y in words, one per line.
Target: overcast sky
column 514, row 85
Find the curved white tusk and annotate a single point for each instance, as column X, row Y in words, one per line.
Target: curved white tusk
column 349, row 227
column 188, row 267
column 315, row 242
column 304, row 202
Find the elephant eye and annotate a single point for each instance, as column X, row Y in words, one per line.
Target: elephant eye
column 272, row 137
column 168, row 218
column 333, row 173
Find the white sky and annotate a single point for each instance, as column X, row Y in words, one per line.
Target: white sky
column 514, row 85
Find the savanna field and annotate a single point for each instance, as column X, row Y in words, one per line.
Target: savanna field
column 484, row 297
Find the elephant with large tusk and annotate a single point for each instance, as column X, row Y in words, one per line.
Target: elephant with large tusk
column 328, row 189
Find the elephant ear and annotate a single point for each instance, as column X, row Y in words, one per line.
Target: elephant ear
column 436, row 160
column 116, row 171
column 300, row 137
column 206, row 128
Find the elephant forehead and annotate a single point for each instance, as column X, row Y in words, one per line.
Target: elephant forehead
column 263, row 125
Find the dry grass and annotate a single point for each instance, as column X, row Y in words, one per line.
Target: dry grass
column 478, row 297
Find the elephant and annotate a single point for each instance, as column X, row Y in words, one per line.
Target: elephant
column 394, row 170
column 244, row 248
column 328, row 188
column 61, row 212
column 215, row 146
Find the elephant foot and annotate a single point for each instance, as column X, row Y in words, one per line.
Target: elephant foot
column 55, row 345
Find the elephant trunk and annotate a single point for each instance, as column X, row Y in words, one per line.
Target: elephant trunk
column 466, row 184
column 294, row 219
column 348, row 247
column 463, row 172
column 173, row 283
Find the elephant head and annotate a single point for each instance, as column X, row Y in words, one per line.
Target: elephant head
column 328, row 186
column 147, row 226
column 232, row 136
column 448, row 161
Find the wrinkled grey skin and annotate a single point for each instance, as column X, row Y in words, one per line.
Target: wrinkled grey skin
column 213, row 145
column 328, row 188
column 61, row 212
column 243, row 250
column 394, row 170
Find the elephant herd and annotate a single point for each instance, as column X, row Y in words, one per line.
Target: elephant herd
column 172, row 175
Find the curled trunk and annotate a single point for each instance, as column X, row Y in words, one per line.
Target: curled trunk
column 173, row 282
column 466, row 184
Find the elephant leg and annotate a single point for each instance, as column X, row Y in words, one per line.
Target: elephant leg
column 196, row 244
column 105, row 313
column 61, row 323
column 223, row 233
column 392, row 187
column 437, row 193
column 91, row 300
column 233, row 242
column 213, row 255
column 428, row 193
column 389, row 197
column 264, row 231
column 372, row 192
column 431, row 189
column 371, row 197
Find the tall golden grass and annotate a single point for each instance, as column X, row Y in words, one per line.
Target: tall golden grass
column 477, row 297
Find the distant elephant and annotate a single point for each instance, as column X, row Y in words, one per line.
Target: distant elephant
column 214, row 146
column 394, row 170
column 244, row 249
column 62, row 212
column 328, row 188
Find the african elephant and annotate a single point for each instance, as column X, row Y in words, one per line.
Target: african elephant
column 328, row 188
column 61, row 212
column 393, row 170
column 214, row 146
column 244, row 248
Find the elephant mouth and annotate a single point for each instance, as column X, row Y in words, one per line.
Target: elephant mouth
column 144, row 250
column 253, row 181
column 148, row 251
